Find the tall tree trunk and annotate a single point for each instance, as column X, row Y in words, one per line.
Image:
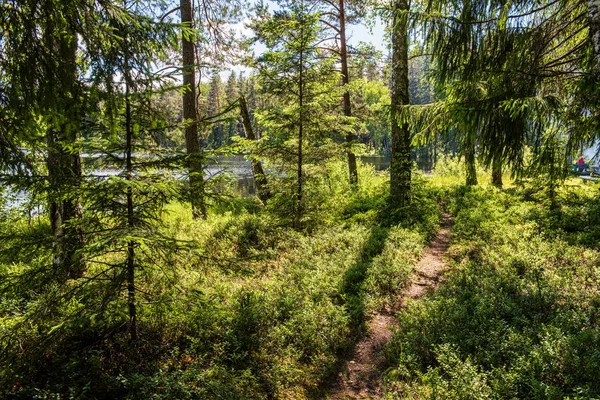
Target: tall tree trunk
column 64, row 165
column 471, row 179
column 497, row 171
column 300, row 138
column 130, row 211
column 400, row 165
column 594, row 26
column 190, row 115
column 260, row 179
column 346, row 80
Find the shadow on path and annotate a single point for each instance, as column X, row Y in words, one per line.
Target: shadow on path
column 361, row 377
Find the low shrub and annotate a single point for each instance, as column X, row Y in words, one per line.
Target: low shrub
column 517, row 315
column 242, row 305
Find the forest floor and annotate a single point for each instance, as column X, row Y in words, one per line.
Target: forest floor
column 361, row 378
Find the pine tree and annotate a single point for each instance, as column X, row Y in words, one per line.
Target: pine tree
column 260, row 179
column 335, row 17
column 346, row 81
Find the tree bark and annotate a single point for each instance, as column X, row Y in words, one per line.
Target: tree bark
column 300, row 138
column 497, row 171
column 435, row 145
column 190, row 115
column 353, row 173
column 130, row 211
column 260, row 179
column 400, row 164
column 471, row 179
column 64, row 165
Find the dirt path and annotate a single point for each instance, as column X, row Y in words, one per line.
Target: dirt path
column 362, row 377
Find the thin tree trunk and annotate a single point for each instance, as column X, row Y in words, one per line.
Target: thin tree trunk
column 300, row 138
column 190, row 115
column 429, row 158
column 64, row 166
column 400, row 165
column 497, row 171
column 130, row 211
column 260, row 179
column 471, row 179
column 346, row 80
column 435, row 145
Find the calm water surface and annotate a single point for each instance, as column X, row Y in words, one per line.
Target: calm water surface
column 241, row 170
column 236, row 166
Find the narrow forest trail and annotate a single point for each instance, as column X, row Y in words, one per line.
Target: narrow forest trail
column 361, row 378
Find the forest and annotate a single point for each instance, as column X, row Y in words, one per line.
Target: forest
column 251, row 199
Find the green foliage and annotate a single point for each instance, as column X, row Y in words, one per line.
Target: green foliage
column 262, row 301
column 243, row 307
column 516, row 317
column 301, row 125
column 392, row 268
column 372, row 100
column 505, row 81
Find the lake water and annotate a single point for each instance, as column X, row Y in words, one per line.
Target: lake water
column 237, row 166
column 241, row 170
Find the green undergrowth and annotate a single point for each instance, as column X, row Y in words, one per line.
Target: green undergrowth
column 518, row 315
column 241, row 307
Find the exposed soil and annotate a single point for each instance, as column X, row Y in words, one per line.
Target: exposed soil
column 361, row 378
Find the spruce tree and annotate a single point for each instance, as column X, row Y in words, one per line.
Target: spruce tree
column 300, row 75
column 125, row 209
column 44, row 98
column 215, row 103
column 511, row 71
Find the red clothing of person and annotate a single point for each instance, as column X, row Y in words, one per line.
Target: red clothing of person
column 581, row 161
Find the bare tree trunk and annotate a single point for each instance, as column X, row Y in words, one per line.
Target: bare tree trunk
column 346, row 80
column 190, row 116
column 435, row 145
column 471, row 179
column 400, row 165
column 260, row 179
column 64, row 175
column 64, row 165
column 300, row 138
column 497, row 171
column 130, row 210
